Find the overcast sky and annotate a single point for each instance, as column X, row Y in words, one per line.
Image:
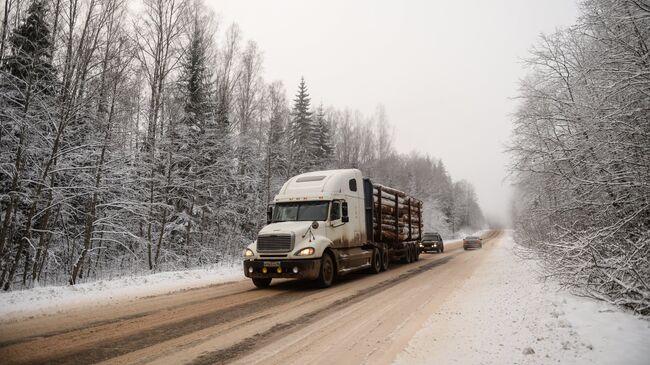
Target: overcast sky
column 446, row 71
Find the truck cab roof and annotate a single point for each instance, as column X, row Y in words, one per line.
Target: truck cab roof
column 320, row 185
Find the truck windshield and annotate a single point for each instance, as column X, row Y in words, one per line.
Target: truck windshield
column 303, row 211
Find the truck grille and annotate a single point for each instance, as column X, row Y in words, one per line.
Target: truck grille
column 275, row 243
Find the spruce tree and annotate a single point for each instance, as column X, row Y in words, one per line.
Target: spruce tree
column 27, row 87
column 31, row 46
column 325, row 150
column 303, row 134
column 188, row 141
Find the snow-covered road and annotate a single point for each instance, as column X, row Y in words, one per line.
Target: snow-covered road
column 482, row 306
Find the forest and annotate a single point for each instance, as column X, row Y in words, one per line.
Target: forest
column 142, row 136
column 581, row 153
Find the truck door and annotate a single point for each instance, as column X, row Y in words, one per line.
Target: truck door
column 336, row 227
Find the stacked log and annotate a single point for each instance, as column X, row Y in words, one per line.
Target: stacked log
column 397, row 216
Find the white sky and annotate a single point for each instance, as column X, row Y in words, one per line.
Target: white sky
column 445, row 70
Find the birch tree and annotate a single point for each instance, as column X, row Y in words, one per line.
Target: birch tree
column 580, row 153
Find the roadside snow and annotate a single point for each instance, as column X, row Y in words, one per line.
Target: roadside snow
column 504, row 315
column 51, row 299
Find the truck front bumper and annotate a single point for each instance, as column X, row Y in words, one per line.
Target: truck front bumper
column 289, row 269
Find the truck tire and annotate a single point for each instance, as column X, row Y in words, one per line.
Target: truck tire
column 326, row 276
column 262, row 282
column 376, row 264
column 416, row 249
column 385, row 259
column 442, row 247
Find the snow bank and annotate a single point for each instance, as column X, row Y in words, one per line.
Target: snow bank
column 51, row 299
column 504, row 315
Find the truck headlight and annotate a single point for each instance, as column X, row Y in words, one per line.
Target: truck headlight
column 248, row 253
column 307, row 251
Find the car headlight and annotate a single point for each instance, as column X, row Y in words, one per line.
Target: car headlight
column 248, row 253
column 421, row 245
column 307, row 251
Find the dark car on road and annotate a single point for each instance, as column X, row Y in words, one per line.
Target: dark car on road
column 431, row 241
column 472, row 242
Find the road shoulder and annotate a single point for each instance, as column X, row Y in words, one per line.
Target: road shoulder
column 504, row 314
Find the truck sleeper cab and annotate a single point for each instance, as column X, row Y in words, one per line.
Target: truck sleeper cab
column 320, row 225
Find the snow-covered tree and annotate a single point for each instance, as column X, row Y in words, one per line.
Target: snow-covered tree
column 277, row 148
column 27, row 98
column 325, row 152
column 302, row 132
column 187, row 135
column 580, row 152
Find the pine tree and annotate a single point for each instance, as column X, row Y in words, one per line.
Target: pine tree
column 188, row 150
column 31, row 46
column 325, row 152
column 276, row 147
column 303, row 134
column 27, row 87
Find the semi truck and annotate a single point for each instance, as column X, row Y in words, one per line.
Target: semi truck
column 324, row 224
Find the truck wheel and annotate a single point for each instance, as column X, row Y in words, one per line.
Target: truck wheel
column 385, row 259
column 376, row 262
column 442, row 248
column 409, row 254
column 416, row 249
column 262, row 282
column 326, row 276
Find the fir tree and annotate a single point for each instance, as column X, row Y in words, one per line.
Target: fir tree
column 325, row 152
column 276, row 147
column 27, row 85
column 29, row 61
column 303, row 134
column 189, row 157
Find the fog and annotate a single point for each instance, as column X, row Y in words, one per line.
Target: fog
column 446, row 71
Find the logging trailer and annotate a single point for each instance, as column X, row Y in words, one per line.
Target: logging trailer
column 324, row 224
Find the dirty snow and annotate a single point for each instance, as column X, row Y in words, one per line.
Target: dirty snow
column 503, row 314
column 51, row 299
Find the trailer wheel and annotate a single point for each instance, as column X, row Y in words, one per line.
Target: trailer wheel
column 262, row 282
column 326, row 276
column 385, row 259
column 376, row 261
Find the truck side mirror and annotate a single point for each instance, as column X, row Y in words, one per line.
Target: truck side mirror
column 344, row 212
column 269, row 214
